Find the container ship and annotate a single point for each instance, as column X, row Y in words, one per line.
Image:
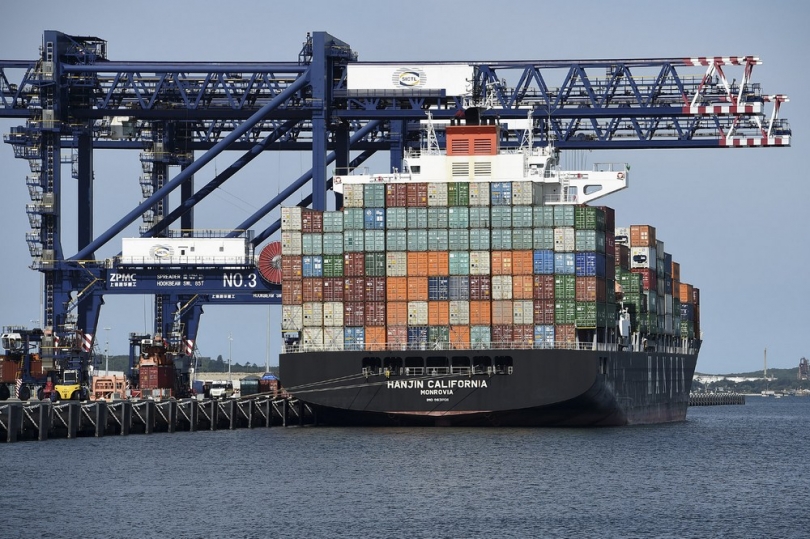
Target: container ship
column 479, row 286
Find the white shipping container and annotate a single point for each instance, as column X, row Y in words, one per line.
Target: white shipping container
column 501, row 287
column 459, row 313
column 668, row 304
column 179, row 251
column 417, row 313
column 333, row 338
column 479, row 263
column 479, row 194
column 291, row 218
column 522, row 193
column 333, row 315
column 396, row 264
column 523, row 312
column 353, row 195
column 292, row 317
column 564, row 240
column 622, row 234
column 643, row 257
column 312, row 338
column 313, row 313
column 437, row 194
column 291, row 243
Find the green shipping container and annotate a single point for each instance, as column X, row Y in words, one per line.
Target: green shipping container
column 333, row 243
column 479, row 217
column 565, row 286
column 458, row 217
column 312, row 244
column 563, row 216
column 353, row 240
column 396, row 240
column 333, row 265
column 589, row 241
column 396, row 218
column 458, row 194
column 589, row 218
column 565, row 311
column 438, row 334
column 333, row 221
column 522, row 239
column 417, row 240
column 501, row 237
column 437, row 217
column 543, row 239
column 375, row 264
column 522, row 216
column 458, row 239
column 374, row 240
column 501, row 217
column 354, row 219
column 479, row 239
column 481, row 336
column 417, row 217
column 437, row 240
column 374, row 195
column 459, row 262
column 543, row 216
column 590, row 314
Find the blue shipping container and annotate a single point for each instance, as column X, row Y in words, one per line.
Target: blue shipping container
column 374, row 219
column 564, row 263
column 354, row 338
column 544, row 262
column 438, row 288
column 312, row 266
column 590, row 264
column 417, row 334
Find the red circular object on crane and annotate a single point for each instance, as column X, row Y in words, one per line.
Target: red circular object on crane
column 270, row 263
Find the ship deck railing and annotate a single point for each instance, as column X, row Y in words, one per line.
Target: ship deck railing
column 676, row 346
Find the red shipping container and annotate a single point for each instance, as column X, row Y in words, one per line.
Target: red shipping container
column 610, row 218
column 417, row 264
column 565, row 334
column 610, row 245
column 397, row 336
column 623, row 257
column 8, row 370
column 375, row 314
column 649, row 279
column 502, row 335
column 417, row 288
column 375, row 289
column 590, row 289
column 312, row 289
column 544, row 287
column 156, row 377
column 523, row 335
column 480, row 289
column 354, row 264
column 292, row 293
column 543, row 311
column 522, row 287
column 610, row 268
column 333, row 289
column 696, row 295
column 396, row 314
column 438, row 263
column 417, row 194
column 480, row 313
column 397, row 289
column 311, row 221
column 522, row 263
column 438, row 313
column 354, row 313
column 354, row 289
column 396, row 195
column 501, row 263
column 292, row 267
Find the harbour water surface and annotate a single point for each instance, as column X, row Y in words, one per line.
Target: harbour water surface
column 728, row 471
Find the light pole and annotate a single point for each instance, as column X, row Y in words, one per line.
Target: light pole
column 107, row 352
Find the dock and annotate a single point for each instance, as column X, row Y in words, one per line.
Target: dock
column 43, row 420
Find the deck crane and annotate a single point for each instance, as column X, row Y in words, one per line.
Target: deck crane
column 73, row 100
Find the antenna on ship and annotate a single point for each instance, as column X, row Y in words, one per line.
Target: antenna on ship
column 432, row 142
column 528, row 136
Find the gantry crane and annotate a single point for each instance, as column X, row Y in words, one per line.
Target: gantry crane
column 75, row 100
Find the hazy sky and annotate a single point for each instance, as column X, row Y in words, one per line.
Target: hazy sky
column 735, row 219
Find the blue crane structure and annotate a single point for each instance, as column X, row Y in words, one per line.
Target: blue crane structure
column 74, row 100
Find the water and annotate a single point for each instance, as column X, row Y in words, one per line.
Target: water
column 728, row 471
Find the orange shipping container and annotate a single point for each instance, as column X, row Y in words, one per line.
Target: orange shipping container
column 480, row 313
column 396, row 314
column 522, row 263
column 501, row 263
column 676, row 271
column 685, row 293
column 438, row 313
column 397, row 336
column 417, row 264
column 397, row 289
column 438, row 263
column 417, row 288
column 642, row 236
column 522, row 287
column 375, row 337
column 460, row 337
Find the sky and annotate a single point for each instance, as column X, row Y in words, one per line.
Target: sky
column 735, row 219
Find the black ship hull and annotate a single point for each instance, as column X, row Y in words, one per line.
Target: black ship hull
column 508, row 387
